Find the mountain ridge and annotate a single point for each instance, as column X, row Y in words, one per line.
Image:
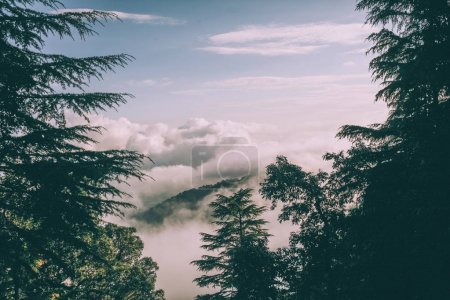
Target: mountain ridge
column 190, row 200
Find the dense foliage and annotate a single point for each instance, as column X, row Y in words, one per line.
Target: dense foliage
column 399, row 170
column 54, row 193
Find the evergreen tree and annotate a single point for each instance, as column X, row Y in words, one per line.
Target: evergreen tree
column 311, row 266
column 243, row 267
column 54, row 193
column 398, row 171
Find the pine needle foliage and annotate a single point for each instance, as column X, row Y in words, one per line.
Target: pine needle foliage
column 243, row 267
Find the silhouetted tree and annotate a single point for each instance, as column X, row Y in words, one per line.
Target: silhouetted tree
column 310, row 266
column 243, row 267
column 398, row 172
column 53, row 193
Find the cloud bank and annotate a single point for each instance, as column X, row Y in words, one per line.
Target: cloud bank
column 177, row 242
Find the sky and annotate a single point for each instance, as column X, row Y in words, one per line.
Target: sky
column 282, row 74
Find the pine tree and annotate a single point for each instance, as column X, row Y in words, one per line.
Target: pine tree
column 398, row 171
column 54, row 193
column 243, row 267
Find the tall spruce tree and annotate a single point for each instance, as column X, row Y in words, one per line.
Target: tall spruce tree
column 53, row 192
column 399, row 171
column 243, row 267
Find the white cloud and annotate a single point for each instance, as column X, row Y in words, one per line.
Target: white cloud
column 138, row 18
column 274, row 40
column 171, row 148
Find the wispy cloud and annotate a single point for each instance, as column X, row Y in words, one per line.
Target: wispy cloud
column 265, row 49
column 142, row 83
column 163, row 82
column 273, row 83
column 349, row 63
column 137, row 18
column 274, row 40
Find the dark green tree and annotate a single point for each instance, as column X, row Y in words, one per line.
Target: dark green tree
column 54, row 193
column 243, row 267
column 398, row 171
column 310, row 268
column 126, row 275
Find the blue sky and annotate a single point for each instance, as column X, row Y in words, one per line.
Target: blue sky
column 181, row 70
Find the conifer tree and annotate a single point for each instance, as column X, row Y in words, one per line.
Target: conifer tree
column 243, row 267
column 389, row 193
column 54, row 193
column 398, row 171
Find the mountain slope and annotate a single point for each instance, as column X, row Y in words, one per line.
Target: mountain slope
column 186, row 205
